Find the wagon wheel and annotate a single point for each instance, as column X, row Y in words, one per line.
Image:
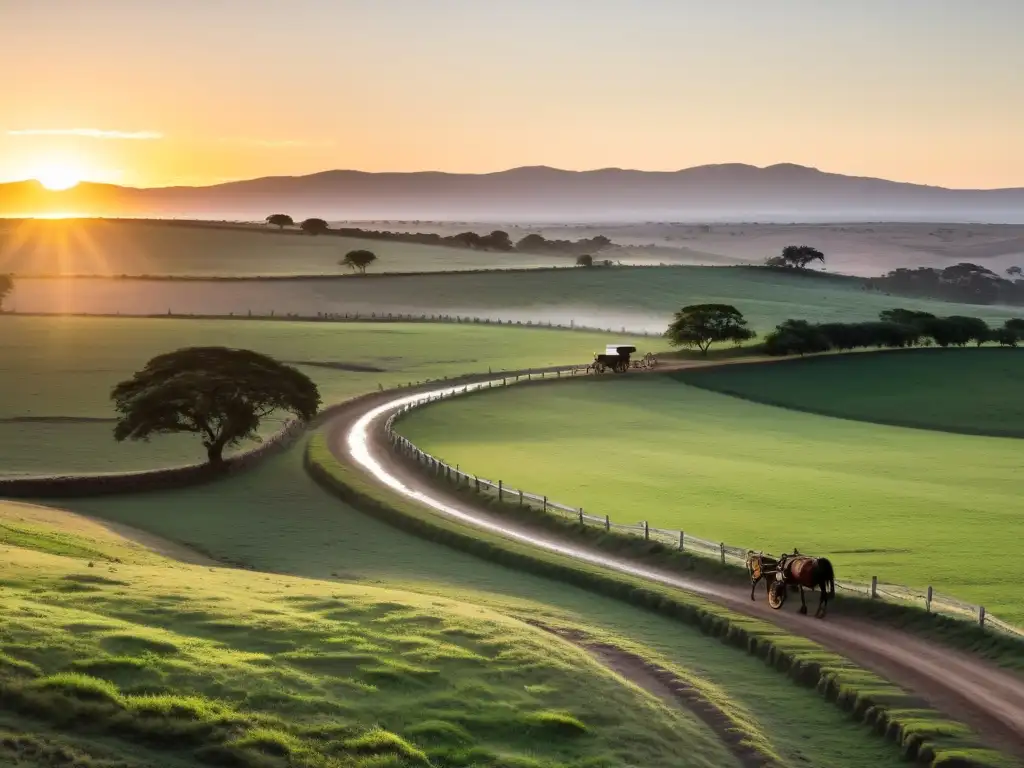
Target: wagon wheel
column 776, row 594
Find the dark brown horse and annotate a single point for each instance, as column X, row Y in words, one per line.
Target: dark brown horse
column 797, row 570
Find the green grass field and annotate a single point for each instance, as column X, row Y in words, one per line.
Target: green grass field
column 243, row 519
column 972, row 391
column 637, row 298
column 110, row 653
column 58, row 372
column 910, row 506
column 47, row 247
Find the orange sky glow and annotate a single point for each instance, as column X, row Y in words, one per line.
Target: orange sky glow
column 916, row 91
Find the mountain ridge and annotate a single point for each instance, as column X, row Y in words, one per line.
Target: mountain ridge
column 715, row 191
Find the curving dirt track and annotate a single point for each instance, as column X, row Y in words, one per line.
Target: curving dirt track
column 965, row 688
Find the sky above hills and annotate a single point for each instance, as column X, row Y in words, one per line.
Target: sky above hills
column 198, row 92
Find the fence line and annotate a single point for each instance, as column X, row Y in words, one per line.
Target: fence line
column 932, row 601
column 350, row 317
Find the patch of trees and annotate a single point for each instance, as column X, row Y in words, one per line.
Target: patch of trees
column 6, row 286
column 359, row 260
column 498, row 240
column 701, row 325
column 894, row 329
column 795, row 257
column 218, row 393
column 965, row 283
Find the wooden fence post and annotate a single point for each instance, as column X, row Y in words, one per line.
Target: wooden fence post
column 647, row 532
column 681, row 538
column 581, row 515
column 981, row 616
column 874, row 587
column 721, row 548
column 607, row 523
column 499, row 490
column 475, row 477
column 928, row 602
column 545, row 503
column 520, row 498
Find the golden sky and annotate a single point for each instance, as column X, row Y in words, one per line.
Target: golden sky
column 201, row 91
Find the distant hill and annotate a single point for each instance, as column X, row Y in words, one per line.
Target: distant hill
column 729, row 192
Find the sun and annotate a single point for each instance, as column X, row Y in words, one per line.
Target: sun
column 58, row 177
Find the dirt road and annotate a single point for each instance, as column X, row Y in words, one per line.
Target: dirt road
column 979, row 694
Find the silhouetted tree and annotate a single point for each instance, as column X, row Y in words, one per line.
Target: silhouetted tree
column 218, row 393
column 280, row 220
column 799, row 256
column 701, row 325
column 586, row 260
column 358, row 260
column 6, row 286
column 314, row 226
column 1015, row 271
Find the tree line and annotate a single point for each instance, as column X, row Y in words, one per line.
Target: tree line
column 701, row 325
column 965, row 283
column 498, row 240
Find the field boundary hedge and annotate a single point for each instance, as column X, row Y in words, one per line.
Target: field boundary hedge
column 167, row 478
column 677, row 539
column 923, row 735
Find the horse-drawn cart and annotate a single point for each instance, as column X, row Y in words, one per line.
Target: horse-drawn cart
column 793, row 570
column 616, row 358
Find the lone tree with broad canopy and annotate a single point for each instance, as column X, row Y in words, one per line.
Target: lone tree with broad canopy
column 280, row 220
column 701, row 325
column 6, row 286
column 314, row 226
column 796, row 257
column 586, row 260
column 218, row 393
column 358, row 260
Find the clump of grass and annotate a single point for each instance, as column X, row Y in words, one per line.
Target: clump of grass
column 125, row 644
column 81, row 687
column 378, row 741
column 439, row 731
column 554, row 722
column 269, row 741
column 196, row 708
column 17, row 667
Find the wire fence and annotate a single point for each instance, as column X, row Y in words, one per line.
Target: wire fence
column 930, row 600
column 351, row 317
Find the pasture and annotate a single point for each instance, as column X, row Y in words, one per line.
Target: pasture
column 52, row 247
column 635, row 298
column 119, row 655
column 910, row 506
column 971, row 391
column 57, row 373
column 242, row 520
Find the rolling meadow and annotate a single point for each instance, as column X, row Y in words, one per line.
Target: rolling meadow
column 261, row 621
column 880, row 500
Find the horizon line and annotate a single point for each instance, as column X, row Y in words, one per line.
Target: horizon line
column 512, row 169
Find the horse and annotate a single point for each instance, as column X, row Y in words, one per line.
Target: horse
column 797, row 570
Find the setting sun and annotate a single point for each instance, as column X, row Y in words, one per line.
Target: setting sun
column 58, row 177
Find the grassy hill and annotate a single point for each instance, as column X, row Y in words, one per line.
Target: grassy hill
column 128, row 659
column 909, row 506
column 275, row 520
column 971, row 391
column 46, row 247
column 47, row 425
